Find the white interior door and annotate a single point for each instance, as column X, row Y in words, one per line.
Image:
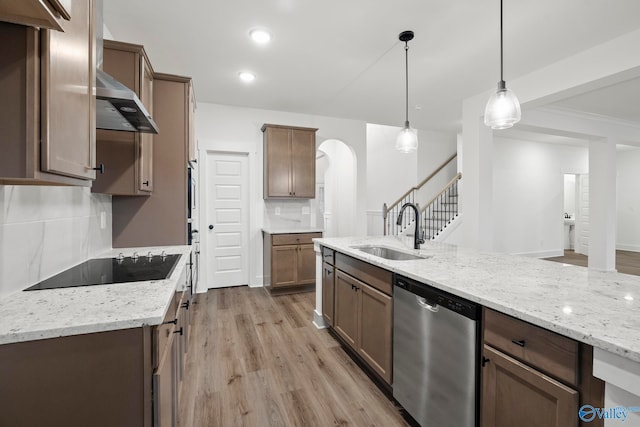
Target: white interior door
column 582, row 215
column 227, row 222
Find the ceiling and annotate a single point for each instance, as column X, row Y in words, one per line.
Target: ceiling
column 343, row 58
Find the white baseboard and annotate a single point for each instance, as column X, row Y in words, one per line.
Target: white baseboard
column 625, row 247
column 541, row 254
column 318, row 320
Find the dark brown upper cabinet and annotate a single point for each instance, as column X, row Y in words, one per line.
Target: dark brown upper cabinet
column 127, row 156
column 51, row 14
column 47, row 117
column 289, row 162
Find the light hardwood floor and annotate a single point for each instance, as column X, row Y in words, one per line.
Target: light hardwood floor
column 257, row 360
column 627, row 262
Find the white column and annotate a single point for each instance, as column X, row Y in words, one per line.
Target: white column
column 476, row 199
column 318, row 320
column 602, row 205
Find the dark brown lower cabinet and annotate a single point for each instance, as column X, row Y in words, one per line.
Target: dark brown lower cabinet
column 514, row 394
column 363, row 318
column 121, row 378
column 289, row 261
column 328, row 286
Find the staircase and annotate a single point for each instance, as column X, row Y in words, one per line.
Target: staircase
column 436, row 214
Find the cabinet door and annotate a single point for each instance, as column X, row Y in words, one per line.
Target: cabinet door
column 284, row 265
column 277, row 163
column 376, row 318
column 164, row 388
column 145, row 160
column 514, row 394
column 328, row 286
column 346, row 307
column 68, row 130
column 191, row 112
column 52, row 14
column 303, row 163
column 306, row 265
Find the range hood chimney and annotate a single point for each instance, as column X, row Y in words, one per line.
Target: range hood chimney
column 117, row 106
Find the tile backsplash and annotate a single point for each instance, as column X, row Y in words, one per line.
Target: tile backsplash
column 289, row 214
column 45, row 230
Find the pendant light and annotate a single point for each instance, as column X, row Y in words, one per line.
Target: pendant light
column 503, row 108
column 407, row 140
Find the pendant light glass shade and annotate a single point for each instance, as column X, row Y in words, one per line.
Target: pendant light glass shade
column 407, row 140
column 503, row 109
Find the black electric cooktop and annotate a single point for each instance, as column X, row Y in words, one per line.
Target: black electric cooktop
column 104, row 271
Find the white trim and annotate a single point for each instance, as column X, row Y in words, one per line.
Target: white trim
column 449, row 229
column 541, row 254
column 617, row 370
column 319, row 321
column 625, row 247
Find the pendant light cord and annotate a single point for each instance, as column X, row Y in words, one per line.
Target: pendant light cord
column 501, row 45
column 406, row 72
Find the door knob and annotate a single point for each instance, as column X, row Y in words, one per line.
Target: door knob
column 210, row 226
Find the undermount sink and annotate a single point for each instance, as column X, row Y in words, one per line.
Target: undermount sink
column 389, row 253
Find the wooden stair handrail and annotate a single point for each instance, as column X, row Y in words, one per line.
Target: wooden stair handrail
column 422, row 183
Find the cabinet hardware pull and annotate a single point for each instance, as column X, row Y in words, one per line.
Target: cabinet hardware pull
column 186, row 304
column 485, row 361
column 174, row 321
column 518, row 342
column 179, row 331
column 99, row 168
column 146, row 183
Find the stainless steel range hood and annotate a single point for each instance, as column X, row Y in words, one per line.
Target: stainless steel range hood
column 117, row 106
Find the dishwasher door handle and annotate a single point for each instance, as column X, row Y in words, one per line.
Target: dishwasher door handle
column 422, row 302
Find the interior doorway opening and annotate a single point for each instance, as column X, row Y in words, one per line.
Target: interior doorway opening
column 336, row 193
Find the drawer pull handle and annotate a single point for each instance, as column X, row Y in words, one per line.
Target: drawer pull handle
column 485, row 361
column 179, row 331
column 186, row 304
column 518, row 342
column 174, row 321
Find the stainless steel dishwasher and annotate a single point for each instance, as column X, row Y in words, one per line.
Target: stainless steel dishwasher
column 435, row 355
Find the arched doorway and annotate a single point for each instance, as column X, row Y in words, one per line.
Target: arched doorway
column 336, row 169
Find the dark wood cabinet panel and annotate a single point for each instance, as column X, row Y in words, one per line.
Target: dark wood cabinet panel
column 164, row 389
column 47, row 120
column 289, row 261
column 160, row 218
column 289, row 162
column 546, row 350
column 346, row 308
column 284, row 264
column 328, row 287
column 53, row 14
column 514, row 394
column 127, row 156
column 376, row 320
column 363, row 318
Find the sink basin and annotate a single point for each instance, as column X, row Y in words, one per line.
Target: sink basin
column 389, row 253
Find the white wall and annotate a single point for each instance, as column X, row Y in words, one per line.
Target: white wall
column 628, row 232
column 528, row 187
column 390, row 173
column 235, row 129
column 45, row 230
column 340, row 188
column 570, row 194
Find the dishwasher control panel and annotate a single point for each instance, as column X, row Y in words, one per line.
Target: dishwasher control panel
column 436, row 296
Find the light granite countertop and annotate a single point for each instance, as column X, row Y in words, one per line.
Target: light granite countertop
column 598, row 308
column 51, row 313
column 292, row 230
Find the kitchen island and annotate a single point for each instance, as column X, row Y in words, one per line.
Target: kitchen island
column 596, row 308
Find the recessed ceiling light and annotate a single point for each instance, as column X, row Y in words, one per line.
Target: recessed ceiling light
column 246, row 76
column 260, row 35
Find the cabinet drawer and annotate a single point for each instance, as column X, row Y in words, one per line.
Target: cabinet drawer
column 542, row 349
column 294, row 239
column 328, row 255
column 376, row 277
